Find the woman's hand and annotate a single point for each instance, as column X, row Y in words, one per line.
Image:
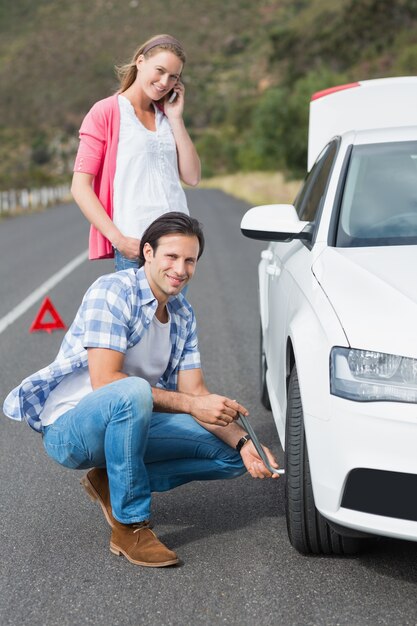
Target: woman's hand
column 174, row 110
column 254, row 464
column 128, row 247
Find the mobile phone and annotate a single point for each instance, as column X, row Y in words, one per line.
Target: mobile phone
column 172, row 97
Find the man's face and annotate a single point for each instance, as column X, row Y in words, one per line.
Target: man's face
column 171, row 265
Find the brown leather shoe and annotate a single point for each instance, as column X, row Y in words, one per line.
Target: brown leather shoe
column 96, row 484
column 139, row 544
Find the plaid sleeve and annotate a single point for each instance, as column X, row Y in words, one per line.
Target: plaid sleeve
column 190, row 358
column 106, row 314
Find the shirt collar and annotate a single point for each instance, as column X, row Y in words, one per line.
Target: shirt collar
column 145, row 293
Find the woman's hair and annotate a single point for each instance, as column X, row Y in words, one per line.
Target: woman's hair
column 172, row 223
column 127, row 73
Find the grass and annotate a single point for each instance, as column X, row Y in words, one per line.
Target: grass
column 256, row 187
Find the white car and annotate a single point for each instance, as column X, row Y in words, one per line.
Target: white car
column 338, row 309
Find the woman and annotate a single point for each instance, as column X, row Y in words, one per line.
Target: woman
column 134, row 150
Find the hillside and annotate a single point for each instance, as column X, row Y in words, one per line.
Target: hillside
column 250, row 72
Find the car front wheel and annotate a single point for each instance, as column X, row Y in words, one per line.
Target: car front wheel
column 308, row 530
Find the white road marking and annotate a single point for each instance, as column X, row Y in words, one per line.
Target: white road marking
column 42, row 290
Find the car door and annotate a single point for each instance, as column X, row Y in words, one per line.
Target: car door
column 287, row 267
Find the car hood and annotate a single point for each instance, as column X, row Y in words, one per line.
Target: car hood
column 374, row 294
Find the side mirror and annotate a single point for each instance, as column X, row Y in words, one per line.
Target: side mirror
column 275, row 222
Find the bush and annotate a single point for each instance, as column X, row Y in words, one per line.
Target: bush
column 40, row 153
column 217, row 151
column 263, row 145
column 296, row 132
column 277, row 135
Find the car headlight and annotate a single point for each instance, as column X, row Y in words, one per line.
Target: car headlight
column 367, row 376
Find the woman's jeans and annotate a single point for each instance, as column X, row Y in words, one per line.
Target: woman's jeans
column 143, row 451
column 122, row 263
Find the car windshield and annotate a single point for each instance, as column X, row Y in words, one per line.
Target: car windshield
column 379, row 203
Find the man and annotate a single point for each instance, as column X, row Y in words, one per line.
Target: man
column 126, row 394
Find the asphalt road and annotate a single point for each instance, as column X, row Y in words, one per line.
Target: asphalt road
column 237, row 564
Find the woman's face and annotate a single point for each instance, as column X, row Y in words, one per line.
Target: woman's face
column 158, row 74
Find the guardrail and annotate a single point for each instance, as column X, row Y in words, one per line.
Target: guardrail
column 13, row 200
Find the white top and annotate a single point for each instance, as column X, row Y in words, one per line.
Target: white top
column 148, row 359
column 147, row 182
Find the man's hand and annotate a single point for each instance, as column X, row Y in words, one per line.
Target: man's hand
column 214, row 409
column 254, row 464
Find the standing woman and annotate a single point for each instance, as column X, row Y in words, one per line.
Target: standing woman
column 134, row 150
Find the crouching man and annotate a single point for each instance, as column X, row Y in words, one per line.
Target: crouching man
column 126, row 394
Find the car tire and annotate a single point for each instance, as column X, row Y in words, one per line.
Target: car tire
column 263, row 369
column 308, row 530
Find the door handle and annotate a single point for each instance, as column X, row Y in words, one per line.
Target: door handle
column 273, row 270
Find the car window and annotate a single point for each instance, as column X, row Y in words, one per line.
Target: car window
column 379, row 202
column 313, row 191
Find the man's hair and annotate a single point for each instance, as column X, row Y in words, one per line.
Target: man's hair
column 171, row 223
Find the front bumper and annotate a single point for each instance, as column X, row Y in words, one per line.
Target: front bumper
column 363, row 465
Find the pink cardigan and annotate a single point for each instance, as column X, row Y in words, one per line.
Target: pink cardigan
column 97, row 152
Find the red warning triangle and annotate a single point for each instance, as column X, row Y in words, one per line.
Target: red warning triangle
column 47, row 308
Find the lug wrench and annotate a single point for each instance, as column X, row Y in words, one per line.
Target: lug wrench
column 258, row 446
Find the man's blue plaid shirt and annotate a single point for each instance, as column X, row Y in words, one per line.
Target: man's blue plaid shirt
column 115, row 312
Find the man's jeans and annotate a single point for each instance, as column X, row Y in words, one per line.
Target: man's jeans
column 114, row 427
